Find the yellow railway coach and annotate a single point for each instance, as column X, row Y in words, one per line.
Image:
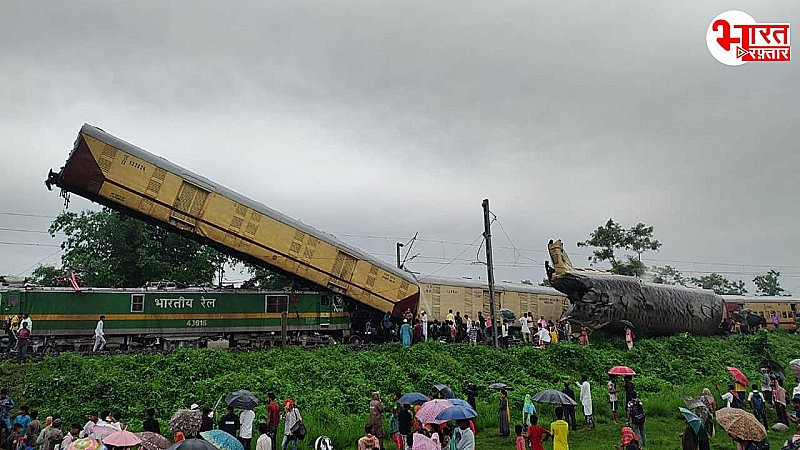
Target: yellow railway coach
column 124, row 177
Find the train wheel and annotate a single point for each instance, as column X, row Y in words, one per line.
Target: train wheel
column 354, row 340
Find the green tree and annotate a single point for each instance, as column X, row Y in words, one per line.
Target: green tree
column 544, row 282
column 111, row 249
column 768, row 284
column 46, row 276
column 720, row 284
column 669, row 275
column 274, row 281
column 611, row 237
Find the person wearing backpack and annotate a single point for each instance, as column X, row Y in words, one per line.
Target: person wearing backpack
column 636, row 417
column 758, row 403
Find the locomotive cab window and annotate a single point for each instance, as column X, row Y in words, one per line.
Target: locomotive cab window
column 137, row 302
column 325, row 300
column 277, row 303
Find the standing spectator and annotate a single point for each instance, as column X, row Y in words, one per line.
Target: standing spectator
column 273, row 417
column 376, row 415
column 537, row 434
column 766, row 388
column 23, row 339
column 12, row 336
column 264, row 441
column 229, row 423
column 560, row 431
column 99, row 335
column 15, row 434
column 759, row 405
column 544, row 337
column 404, row 425
column 459, row 322
column 629, row 336
column 636, row 417
column 450, row 317
column 569, row 410
column 6, row 405
column 408, row 315
column 567, row 331
column 465, row 438
column 206, row 422
column 71, row 436
column 553, row 332
column 528, row 410
column 542, row 322
column 586, row 401
column 503, row 334
column 481, row 325
column 246, row 418
column 33, row 429
column 708, row 399
column 405, row 333
column 88, row 429
column 731, row 398
column 628, row 439
column 526, row 330
column 150, row 423
column 387, row 325
column 369, row 441
column 417, row 332
column 472, row 331
column 520, row 440
column 775, row 320
column 629, row 388
column 503, row 414
column 612, row 397
column 583, row 339
column 424, row 318
column 779, row 399
column 291, row 418
column 23, row 418
column 52, row 436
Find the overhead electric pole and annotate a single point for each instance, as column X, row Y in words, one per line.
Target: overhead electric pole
column 487, row 235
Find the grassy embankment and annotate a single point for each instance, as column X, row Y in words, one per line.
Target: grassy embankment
column 332, row 385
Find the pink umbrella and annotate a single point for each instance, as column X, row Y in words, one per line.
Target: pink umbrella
column 621, row 370
column 422, row 442
column 429, row 410
column 122, row 439
column 101, row 431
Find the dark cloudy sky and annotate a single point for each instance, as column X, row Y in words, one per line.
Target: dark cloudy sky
column 373, row 120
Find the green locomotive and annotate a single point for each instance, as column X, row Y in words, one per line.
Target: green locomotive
column 147, row 318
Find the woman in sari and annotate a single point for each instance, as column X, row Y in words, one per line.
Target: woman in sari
column 504, row 414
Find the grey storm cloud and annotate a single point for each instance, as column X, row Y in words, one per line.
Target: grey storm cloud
column 375, row 120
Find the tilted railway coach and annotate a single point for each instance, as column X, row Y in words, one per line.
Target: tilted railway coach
column 64, row 319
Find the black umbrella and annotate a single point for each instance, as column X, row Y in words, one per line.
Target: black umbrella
column 627, row 323
column 508, row 315
column 553, row 396
column 701, row 410
column 774, row 367
column 445, row 390
column 501, row 387
column 242, row 398
column 192, row 444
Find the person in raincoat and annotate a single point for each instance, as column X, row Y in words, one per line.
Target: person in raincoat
column 504, row 414
column 527, row 410
column 405, row 333
column 376, row 415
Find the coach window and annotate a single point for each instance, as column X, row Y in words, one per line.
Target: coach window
column 137, row 302
column 277, row 303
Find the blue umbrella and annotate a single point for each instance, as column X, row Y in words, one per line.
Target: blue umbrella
column 457, row 413
column 464, row 403
column 413, row 397
column 222, row 440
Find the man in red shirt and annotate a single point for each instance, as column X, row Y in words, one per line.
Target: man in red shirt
column 537, row 434
column 273, row 417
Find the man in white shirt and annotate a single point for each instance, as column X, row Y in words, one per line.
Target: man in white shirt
column 544, row 337
column 264, row 442
column 586, row 401
column 728, row 395
column 246, row 418
column 526, row 330
column 424, row 317
column 99, row 335
column 87, row 429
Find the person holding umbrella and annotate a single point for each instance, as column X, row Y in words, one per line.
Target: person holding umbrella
column 569, row 410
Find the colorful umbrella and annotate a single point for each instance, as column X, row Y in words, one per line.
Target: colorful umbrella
column 738, row 376
column 456, row 413
column 186, row 420
column 429, row 410
column 193, row 444
column 413, row 397
column 741, row 424
column 695, row 422
column 621, row 370
column 101, row 431
column 122, row 438
column 422, row 442
column 153, row 441
column 222, row 440
column 242, row 398
column 460, row 402
column 553, row 396
column 85, row 444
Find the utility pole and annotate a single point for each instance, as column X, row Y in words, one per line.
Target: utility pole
column 487, row 235
column 399, row 264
